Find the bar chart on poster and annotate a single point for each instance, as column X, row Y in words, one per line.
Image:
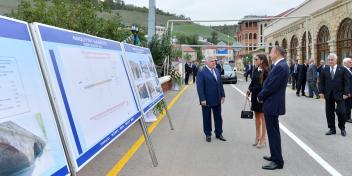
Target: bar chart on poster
column 145, row 76
column 30, row 143
column 89, row 78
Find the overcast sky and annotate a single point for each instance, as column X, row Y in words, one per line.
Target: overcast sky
column 220, row 9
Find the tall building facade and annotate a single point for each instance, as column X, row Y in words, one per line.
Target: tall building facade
column 329, row 27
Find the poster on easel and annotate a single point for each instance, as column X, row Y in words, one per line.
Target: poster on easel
column 30, row 142
column 89, row 79
column 144, row 76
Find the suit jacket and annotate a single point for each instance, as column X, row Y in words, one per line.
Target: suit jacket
column 338, row 86
column 194, row 69
column 209, row 89
column 256, row 86
column 274, row 90
column 312, row 74
column 188, row 69
column 302, row 72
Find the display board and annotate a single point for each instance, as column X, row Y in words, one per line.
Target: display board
column 145, row 77
column 29, row 139
column 93, row 92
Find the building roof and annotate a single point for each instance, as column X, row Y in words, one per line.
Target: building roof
column 285, row 12
column 187, row 49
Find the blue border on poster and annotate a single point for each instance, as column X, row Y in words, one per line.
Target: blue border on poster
column 50, row 34
column 14, row 30
column 93, row 150
column 62, row 171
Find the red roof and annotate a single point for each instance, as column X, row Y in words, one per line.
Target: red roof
column 188, row 49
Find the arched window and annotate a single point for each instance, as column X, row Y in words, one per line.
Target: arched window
column 255, row 36
column 284, row 44
column 293, row 50
column 246, row 36
column 250, row 35
column 277, row 43
column 323, row 48
column 304, row 46
column 344, row 39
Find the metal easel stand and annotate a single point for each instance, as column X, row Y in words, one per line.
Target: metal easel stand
column 148, row 141
column 167, row 114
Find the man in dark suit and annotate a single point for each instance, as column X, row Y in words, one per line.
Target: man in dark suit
column 334, row 86
column 248, row 71
column 273, row 97
column 194, row 71
column 312, row 77
column 302, row 78
column 347, row 63
column 188, row 70
column 211, row 95
column 294, row 74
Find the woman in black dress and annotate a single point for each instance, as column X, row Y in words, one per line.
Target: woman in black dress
column 259, row 75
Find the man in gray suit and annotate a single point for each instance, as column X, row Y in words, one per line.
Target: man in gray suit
column 312, row 77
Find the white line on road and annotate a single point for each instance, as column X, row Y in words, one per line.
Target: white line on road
column 314, row 155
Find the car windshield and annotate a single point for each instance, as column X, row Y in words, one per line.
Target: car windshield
column 227, row 68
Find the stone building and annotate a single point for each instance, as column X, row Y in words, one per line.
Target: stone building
column 328, row 24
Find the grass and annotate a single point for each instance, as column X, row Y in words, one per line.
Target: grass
column 204, row 31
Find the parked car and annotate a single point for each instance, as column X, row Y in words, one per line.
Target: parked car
column 229, row 75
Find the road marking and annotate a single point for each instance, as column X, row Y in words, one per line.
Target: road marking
column 314, row 155
column 128, row 155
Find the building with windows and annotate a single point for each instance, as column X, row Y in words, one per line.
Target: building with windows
column 250, row 34
column 325, row 28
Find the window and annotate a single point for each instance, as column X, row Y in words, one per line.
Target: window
column 293, row 50
column 344, row 39
column 322, row 43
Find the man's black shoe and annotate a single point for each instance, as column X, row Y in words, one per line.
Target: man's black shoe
column 330, row 132
column 208, row 138
column 343, row 132
column 318, row 97
column 297, row 95
column 220, row 137
column 349, row 120
column 268, row 158
column 309, row 96
column 272, row 166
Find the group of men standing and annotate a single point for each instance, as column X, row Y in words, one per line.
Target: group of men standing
column 335, row 85
column 191, row 68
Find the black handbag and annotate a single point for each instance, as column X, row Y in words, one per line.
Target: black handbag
column 246, row 114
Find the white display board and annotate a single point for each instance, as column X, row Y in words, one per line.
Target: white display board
column 93, row 93
column 29, row 138
column 145, row 77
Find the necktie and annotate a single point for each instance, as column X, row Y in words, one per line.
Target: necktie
column 213, row 71
column 332, row 72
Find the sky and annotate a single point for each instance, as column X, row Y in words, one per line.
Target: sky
column 220, row 9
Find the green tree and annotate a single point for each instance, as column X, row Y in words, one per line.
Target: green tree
column 214, row 37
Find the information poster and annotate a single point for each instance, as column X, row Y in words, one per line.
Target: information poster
column 92, row 88
column 29, row 139
column 145, row 76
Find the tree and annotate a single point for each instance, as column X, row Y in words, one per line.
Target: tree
column 214, row 37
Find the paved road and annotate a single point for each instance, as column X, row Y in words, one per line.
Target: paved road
column 184, row 151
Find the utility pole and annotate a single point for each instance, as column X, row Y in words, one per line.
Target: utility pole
column 151, row 20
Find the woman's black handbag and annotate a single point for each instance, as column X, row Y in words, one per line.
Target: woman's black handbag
column 246, row 114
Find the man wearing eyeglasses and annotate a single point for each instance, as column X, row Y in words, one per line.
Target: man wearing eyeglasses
column 334, row 87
